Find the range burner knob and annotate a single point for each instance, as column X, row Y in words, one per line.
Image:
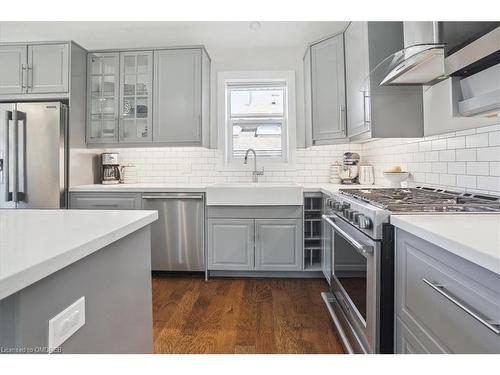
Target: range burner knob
column 346, row 212
column 355, row 217
column 345, row 206
column 337, row 206
column 364, row 222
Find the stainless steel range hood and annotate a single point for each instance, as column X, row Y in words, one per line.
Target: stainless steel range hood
column 422, row 59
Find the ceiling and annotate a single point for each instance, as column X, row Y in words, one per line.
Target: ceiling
column 97, row 35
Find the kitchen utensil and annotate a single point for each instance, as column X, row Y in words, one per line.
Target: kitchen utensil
column 366, row 175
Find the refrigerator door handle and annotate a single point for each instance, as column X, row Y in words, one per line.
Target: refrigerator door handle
column 15, row 153
column 6, row 172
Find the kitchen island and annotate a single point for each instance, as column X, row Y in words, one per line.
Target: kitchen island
column 49, row 259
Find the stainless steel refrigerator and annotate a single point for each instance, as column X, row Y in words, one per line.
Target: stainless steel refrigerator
column 33, row 155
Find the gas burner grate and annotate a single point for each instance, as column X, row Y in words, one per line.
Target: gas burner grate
column 424, row 200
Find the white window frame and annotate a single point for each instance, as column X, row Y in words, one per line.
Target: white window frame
column 224, row 79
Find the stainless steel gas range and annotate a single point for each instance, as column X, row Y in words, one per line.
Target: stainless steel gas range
column 360, row 239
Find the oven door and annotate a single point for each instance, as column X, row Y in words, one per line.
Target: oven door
column 355, row 282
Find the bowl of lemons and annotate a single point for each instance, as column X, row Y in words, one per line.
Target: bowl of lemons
column 395, row 176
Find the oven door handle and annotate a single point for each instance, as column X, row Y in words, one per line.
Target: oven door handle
column 360, row 248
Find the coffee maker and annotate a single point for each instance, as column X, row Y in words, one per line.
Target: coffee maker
column 349, row 171
column 110, row 169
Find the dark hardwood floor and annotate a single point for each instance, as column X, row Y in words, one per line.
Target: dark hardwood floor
column 241, row 315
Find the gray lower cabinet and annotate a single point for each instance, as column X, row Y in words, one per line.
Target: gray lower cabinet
column 261, row 238
column 105, row 201
column 278, row 244
column 231, row 244
column 443, row 301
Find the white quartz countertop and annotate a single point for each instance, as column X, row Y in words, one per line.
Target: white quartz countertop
column 474, row 237
column 36, row 243
column 192, row 188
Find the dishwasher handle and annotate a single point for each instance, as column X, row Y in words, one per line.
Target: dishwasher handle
column 172, row 197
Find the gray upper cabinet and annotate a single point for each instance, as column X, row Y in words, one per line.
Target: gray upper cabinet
column 136, row 96
column 231, row 244
column 324, row 84
column 375, row 111
column 48, row 68
column 102, row 97
column 278, row 244
column 444, row 303
column 177, row 96
column 328, row 90
column 357, row 70
column 159, row 97
column 13, row 60
column 34, row 69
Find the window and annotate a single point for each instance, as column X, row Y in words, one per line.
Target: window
column 256, row 119
column 256, row 114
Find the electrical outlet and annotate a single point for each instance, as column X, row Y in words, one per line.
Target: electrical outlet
column 66, row 323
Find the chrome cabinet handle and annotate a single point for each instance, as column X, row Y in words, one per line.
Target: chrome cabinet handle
column 172, row 197
column 365, row 117
column 6, row 172
column 29, row 81
column 24, row 77
column 362, row 249
column 488, row 323
column 342, row 116
column 105, row 205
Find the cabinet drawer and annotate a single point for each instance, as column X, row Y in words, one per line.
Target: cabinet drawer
column 407, row 342
column 435, row 288
column 106, row 201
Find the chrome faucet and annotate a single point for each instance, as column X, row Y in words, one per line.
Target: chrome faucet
column 255, row 173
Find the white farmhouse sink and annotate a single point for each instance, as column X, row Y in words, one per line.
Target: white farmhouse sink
column 254, row 194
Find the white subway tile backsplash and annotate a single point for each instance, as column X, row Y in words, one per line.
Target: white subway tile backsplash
column 478, row 168
column 494, row 138
column 440, row 167
column 488, row 183
column 455, row 142
column 466, row 154
column 439, row 144
column 432, row 156
column 432, row 178
column 465, row 132
column 466, row 181
column 487, row 129
column 494, row 168
column 468, row 159
column 488, row 154
column 425, row 146
column 447, row 179
column 476, row 140
column 457, row 167
column 465, row 159
column 448, row 155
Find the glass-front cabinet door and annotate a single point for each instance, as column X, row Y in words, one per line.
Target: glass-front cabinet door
column 136, row 73
column 103, row 88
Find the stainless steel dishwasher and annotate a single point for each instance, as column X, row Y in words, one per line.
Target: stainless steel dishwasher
column 177, row 237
